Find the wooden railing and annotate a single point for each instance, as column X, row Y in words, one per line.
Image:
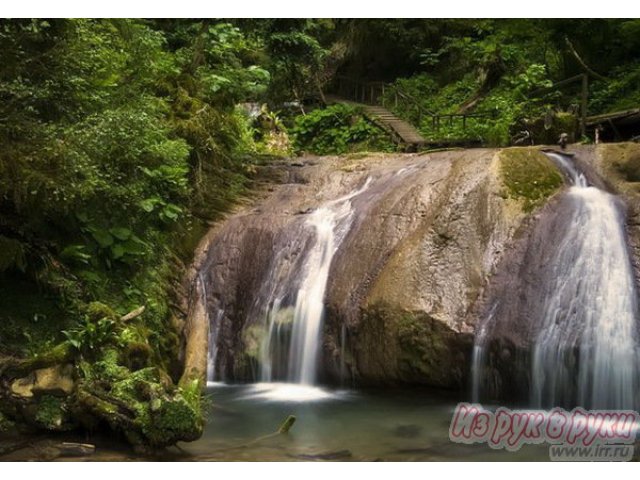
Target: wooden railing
column 393, row 98
column 379, row 93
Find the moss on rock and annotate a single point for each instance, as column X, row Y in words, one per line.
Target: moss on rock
column 417, row 348
column 143, row 405
column 50, row 413
column 5, row 424
column 620, row 163
column 528, row 176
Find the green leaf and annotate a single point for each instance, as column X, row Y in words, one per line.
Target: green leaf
column 103, row 237
column 149, row 204
column 75, row 253
column 117, row 251
column 171, row 211
column 120, row 233
column 133, row 247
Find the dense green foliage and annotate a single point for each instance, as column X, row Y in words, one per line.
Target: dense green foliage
column 120, row 139
column 338, row 129
column 498, row 66
column 115, row 143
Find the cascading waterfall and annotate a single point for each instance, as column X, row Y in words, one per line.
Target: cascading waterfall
column 593, row 309
column 584, row 351
column 295, row 333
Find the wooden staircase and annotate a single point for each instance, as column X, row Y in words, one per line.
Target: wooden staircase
column 403, row 133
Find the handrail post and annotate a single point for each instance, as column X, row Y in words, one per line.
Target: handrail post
column 583, row 107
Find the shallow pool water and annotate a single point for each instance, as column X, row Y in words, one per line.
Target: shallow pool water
column 395, row 425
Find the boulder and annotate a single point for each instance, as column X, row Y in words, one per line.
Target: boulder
column 56, row 381
column 426, row 235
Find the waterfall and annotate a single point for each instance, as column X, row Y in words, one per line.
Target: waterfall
column 295, row 331
column 212, row 355
column 478, row 356
column 589, row 328
column 584, row 343
column 214, row 329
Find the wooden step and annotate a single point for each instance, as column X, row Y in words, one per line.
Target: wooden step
column 403, row 130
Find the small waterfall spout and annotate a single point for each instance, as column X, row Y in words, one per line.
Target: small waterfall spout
column 214, row 329
column 295, row 332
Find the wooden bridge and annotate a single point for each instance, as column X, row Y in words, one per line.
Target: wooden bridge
column 379, row 99
column 616, row 126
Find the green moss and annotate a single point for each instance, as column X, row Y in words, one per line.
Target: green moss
column 247, row 359
column 5, row 424
column 422, row 345
column 253, row 336
column 528, row 176
column 136, row 355
column 418, row 348
column 98, row 310
column 623, row 159
column 144, row 405
column 165, row 414
column 171, row 420
column 50, row 413
column 630, row 170
column 15, row 368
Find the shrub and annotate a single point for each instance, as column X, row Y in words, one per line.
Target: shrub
column 338, row 129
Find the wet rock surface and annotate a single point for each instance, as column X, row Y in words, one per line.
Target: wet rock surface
column 426, row 235
column 435, row 239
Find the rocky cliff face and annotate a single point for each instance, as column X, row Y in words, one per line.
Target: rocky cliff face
column 511, row 308
column 405, row 286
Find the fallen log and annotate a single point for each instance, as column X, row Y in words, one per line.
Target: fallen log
column 287, row 424
column 283, row 429
column 71, row 449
